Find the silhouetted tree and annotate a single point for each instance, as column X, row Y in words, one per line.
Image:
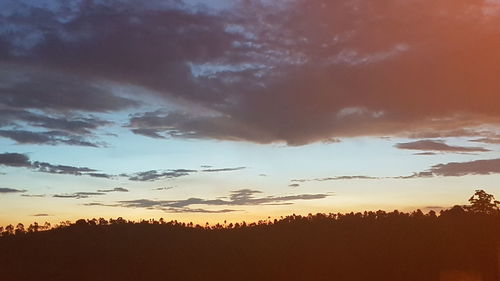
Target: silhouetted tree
column 20, row 229
column 103, row 221
column 483, row 203
column 455, row 211
column 46, row 226
column 9, row 230
column 33, row 227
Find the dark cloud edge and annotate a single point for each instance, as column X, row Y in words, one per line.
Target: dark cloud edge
column 451, row 169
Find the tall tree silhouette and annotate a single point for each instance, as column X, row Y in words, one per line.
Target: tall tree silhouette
column 483, row 203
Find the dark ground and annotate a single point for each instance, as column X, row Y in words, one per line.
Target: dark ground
column 369, row 246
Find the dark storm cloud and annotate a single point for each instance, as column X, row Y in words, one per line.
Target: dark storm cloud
column 242, row 197
column 22, row 160
column 56, row 115
column 264, row 71
column 147, row 44
column 175, row 124
column 4, row 190
column 437, row 145
column 26, row 87
column 318, row 69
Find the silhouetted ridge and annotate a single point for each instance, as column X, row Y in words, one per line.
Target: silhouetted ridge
column 356, row 246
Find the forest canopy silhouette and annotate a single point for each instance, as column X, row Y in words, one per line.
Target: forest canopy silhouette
column 354, row 246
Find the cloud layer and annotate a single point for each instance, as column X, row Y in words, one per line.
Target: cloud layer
column 242, row 197
column 296, row 71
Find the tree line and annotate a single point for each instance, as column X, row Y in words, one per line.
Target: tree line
column 346, row 247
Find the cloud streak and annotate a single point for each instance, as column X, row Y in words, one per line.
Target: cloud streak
column 41, row 215
column 116, row 189
column 338, row 178
column 452, row 169
column 154, row 175
column 4, row 190
column 48, row 138
column 439, row 146
column 242, row 197
column 223, row 170
column 22, row 160
column 78, row 195
column 57, row 103
column 458, row 169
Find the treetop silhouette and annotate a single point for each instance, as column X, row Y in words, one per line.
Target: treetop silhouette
column 483, row 203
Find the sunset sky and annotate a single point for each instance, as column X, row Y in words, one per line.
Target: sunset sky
column 208, row 111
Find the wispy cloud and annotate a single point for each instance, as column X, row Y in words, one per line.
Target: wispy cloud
column 338, row 178
column 116, row 189
column 490, row 140
column 223, row 169
column 78, row 195
column 41, row 215
column 4, row 190
column 22, row 160
column 154, row 175
column 439, row 146
column 458, row 169
column 163, row 188
column 452, row 169
column 49, row 138
column 242, row 197
column 427, row 153
column 34, row 195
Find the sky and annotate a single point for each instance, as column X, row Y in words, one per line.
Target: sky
column 207, row 111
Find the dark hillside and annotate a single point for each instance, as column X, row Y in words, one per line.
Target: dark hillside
column 368, row 246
